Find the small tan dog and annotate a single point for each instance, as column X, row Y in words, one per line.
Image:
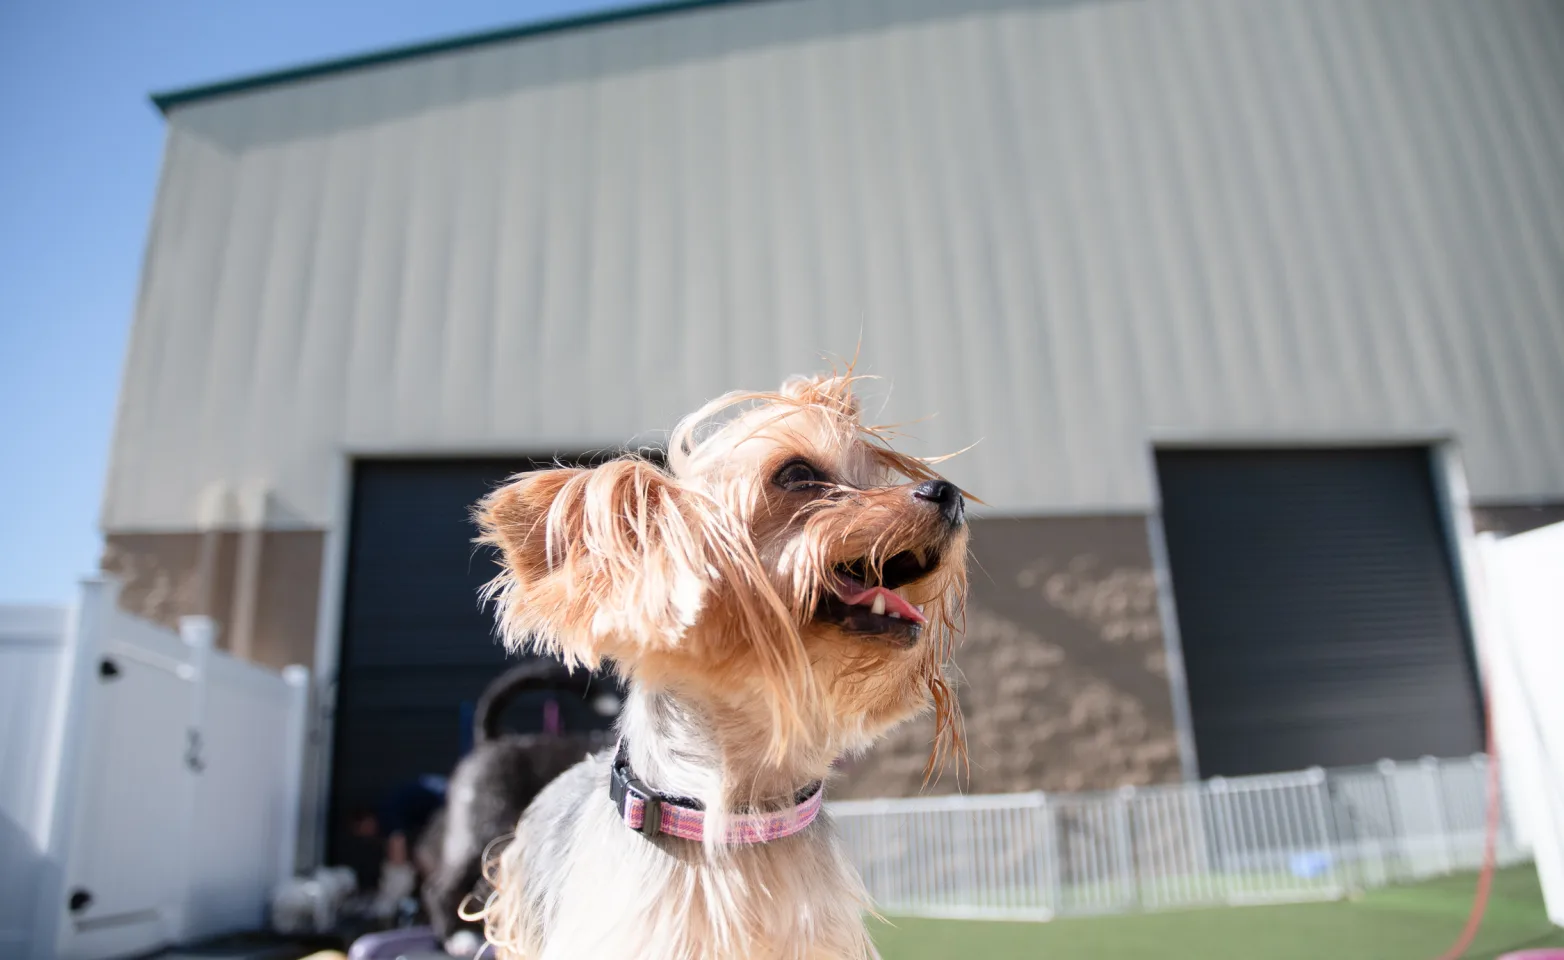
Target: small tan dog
column 781, row 596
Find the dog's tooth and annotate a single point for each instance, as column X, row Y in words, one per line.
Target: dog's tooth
column 894, row 615
column 878, row 607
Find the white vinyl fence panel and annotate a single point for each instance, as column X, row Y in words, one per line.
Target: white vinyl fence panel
column 31, row 641
column 1523, row 654
column 154, row 795
column 1279, row 838
column 128, row 806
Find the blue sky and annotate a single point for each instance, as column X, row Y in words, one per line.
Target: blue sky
column 78, row 168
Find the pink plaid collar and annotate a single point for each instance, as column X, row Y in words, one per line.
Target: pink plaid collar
column 650, row 813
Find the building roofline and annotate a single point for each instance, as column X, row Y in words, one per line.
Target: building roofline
column 169, row 99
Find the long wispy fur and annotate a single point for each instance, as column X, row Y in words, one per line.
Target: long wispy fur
column 703, row 584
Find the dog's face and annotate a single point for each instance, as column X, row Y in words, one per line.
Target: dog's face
column 789, row 565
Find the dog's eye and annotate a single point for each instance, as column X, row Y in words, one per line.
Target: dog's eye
column 798, row 475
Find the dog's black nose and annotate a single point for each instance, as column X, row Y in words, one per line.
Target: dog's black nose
column 945, row 495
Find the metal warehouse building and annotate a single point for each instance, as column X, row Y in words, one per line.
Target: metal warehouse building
column 1255, row 312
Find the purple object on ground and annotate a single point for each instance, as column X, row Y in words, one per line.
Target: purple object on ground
column 390, row 944
column 1547, row 953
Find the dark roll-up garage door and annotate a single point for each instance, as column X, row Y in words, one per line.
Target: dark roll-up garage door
column 1317, row 608
column 416, row 648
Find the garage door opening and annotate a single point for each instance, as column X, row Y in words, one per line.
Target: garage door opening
column 1317, row 608
column 416, row 648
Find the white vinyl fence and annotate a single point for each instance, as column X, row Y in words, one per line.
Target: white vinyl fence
column 30, row 656
column 1270, row 839
column 1523, row 652
column 150, row 793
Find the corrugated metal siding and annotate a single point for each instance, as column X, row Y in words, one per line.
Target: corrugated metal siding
column 1064, row 228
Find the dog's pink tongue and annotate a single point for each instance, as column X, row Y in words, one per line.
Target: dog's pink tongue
column 894, row 603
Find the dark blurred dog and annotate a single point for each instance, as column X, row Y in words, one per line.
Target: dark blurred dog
column 490, row 788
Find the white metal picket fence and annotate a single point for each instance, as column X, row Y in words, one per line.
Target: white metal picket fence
column 1279, row 838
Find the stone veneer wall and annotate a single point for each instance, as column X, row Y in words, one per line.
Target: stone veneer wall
column 1062, row 676
column 161, row 581
column 1507, row 520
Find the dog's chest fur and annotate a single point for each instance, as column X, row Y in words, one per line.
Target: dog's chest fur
column 590, row 887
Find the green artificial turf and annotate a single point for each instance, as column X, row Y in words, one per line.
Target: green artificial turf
column 1415, row 922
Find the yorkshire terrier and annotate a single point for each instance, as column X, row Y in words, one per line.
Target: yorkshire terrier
column 782, row 595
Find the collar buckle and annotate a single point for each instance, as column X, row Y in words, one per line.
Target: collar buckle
column 624, row 786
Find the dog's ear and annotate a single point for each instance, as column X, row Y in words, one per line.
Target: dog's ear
column 609, row 561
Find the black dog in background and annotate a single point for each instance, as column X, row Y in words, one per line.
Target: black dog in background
column 491, row 787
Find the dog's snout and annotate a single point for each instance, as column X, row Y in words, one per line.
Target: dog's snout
column 945, row 495
column 937, row 491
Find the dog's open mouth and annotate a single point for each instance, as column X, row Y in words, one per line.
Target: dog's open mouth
column 861, row 602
